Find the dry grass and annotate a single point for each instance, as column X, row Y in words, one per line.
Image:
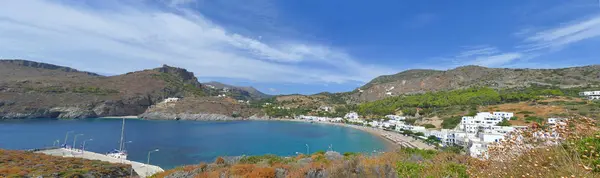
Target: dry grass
column 26, row 164
column 575, row 153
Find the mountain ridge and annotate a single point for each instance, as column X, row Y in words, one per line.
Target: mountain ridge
column 249, row 92
column 425, row 80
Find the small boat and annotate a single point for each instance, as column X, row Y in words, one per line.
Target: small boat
column 120, row 153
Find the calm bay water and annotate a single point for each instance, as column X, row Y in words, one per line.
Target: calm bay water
column 189, row 142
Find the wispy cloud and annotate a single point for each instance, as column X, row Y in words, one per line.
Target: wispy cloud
column 125, row 36
column 496, row 60
column 485, row 55
column 532, row 43
column 561, row 36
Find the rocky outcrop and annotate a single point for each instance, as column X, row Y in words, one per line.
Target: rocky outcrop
column 72, row 113
column 186, row 76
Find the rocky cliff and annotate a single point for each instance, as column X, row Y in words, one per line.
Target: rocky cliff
column 37, row 90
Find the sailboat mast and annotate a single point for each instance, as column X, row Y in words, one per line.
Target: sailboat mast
column 122, row 133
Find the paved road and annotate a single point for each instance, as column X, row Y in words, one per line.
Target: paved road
column 143, row 170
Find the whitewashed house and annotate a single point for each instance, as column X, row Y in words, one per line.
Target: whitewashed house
column 351, row 115
column 337, row 119
column 483, row 119
column 396, row 117
column 374, row 123
column 446, row 136
column 590, row 95
column 387, row 124
column 556, row 122
column 505, row 115
column 478, row 150
column 170, row 100
column 326, row 108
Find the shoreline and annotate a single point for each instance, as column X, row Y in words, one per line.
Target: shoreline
column 392, row 140
column 119, row 117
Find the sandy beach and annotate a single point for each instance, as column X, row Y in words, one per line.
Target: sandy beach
column 394, row 139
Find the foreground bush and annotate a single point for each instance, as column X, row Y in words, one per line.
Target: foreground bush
column 27, row 164
column 575, row 154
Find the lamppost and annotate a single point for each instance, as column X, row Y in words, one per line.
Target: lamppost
column 148, row 163
column 75, row 140
column 83, row 147
column 66, row 137
column 307, row 150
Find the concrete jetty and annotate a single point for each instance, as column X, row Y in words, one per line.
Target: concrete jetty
column 143, row 170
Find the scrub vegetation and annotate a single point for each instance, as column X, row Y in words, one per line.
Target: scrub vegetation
column 27, row 164
column 577, row 155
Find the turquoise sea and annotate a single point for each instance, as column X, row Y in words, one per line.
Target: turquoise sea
column 189, row 142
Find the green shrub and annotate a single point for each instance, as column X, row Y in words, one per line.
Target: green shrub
column 525, row 112
column 451, row 122
column 455, row 170
column 429, row 126
column 539, row 120
column 407, row 169
column 504, row 123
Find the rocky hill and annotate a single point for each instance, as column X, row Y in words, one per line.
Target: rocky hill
column 38, row 65
column 37, row 90
column 237, row 92
column 419, row 81
column 203, row 108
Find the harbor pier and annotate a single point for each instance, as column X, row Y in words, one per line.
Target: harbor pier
column 142, row 170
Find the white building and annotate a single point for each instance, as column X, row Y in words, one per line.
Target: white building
column 591, row 95
column 374, row 123
column 505, row 115
column 351, row 116
column 483, row 119
column 396, row 117
column 478, row 150
column 446, row 136
column 171, row 100
column 326, row 108
column 556, row 121
column 387, row 124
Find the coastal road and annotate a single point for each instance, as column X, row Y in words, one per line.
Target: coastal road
column 143, row 170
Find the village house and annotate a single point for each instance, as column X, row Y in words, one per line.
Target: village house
column 590, row 95
column 396, row 117
column 171, row 100
column 351, row 115
column 471, row 124
column 325, row 108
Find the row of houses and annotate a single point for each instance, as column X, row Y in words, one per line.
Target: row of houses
column 591, row 95
column 474, row 133
column 320, row 119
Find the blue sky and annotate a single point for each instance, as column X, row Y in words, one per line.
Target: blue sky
column 308, row 46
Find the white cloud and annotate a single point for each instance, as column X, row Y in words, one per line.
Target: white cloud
column 129, row 37
column 563, row 35
column 496, row 60
column 176, row 3
column 485, row 56
column 478, row 50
